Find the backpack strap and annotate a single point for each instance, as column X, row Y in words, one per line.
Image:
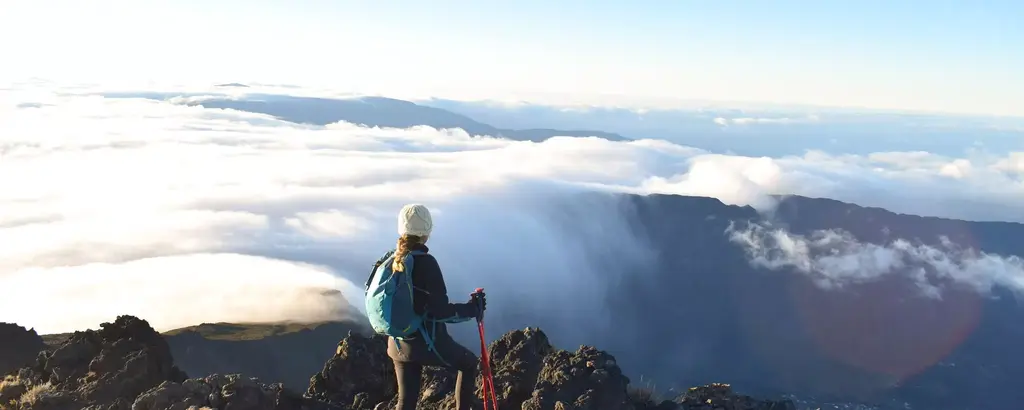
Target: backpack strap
column 428, row 337
column 376, row 265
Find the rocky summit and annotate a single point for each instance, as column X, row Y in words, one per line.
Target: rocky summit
column 126, row 365
column 529, row 374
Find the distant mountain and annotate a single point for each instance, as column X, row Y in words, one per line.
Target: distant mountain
column 368, row 111
column 239, row 85
column 771, row 131
column 285, row 353
column 381, row 112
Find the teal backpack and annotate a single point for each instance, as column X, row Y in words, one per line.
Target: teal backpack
column 389, row 301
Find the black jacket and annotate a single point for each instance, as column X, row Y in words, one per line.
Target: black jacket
column 430, row 294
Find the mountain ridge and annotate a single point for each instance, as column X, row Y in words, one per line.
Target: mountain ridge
column 368, row 111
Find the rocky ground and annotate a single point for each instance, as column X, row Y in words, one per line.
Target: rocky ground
column 126, row 365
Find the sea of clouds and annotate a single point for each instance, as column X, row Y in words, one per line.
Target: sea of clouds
column 183, row 215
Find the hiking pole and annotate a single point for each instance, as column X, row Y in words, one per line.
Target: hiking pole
column 485, row 387
column 485, row 360
column 487, row 377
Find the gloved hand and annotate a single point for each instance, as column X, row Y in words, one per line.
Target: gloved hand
column 480, row 300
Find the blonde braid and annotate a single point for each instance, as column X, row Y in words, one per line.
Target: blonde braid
column 402, row 250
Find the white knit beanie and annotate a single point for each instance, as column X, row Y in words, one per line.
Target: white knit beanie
column 414, row 219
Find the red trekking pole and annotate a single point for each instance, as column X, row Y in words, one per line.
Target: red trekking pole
column 485, row 360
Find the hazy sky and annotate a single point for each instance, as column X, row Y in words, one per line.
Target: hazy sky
column 963, row 56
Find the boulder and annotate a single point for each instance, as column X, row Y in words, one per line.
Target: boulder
column 20, row 347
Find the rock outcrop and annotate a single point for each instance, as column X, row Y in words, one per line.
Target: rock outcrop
column 20, row 347
column 529, row 374
column 96, row 369
column 360, row 374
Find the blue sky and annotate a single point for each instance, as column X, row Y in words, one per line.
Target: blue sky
column 925, row 55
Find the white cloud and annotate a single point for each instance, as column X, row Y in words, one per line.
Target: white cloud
column 764, row 120
column 959, row 168
column 171, row 292
column 119, row 234
column 111, row 188
column 331, row 223
column 734, row 180
column 1012, row 164
column 834, row 259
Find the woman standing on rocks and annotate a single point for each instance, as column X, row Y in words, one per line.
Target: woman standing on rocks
column 430, row 301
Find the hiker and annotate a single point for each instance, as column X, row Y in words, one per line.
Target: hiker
column 430, row 344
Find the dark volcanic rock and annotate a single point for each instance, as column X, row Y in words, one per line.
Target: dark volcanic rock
column 20, row 347
column 529, row 374
column 229, row 392
column 104, row 369
column 518, row 356
column 360, row 369
column 586, row 379
column 721, row 397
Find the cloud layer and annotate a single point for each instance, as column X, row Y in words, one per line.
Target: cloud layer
column 111, row 206
column 834, row 259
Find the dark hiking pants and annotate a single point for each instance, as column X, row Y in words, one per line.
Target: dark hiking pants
column 409, row 362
